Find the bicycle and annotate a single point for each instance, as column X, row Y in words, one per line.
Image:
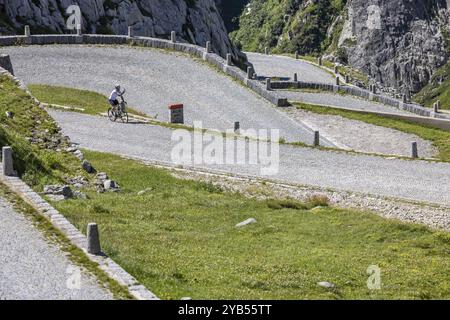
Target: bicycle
column 119, row 111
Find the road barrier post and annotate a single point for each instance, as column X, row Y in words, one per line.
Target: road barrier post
column 208, row 46
column 130, row 32
column 249, row 73
column 7, row 161
column 229, row 59
column 237, row 127
column 176, row 113
column 93, row 239
column 173, row 37
column 414, row 151
column 316, row 138
column 295, row 77
column 268, row 84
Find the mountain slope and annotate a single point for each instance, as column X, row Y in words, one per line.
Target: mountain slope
column 195, row 21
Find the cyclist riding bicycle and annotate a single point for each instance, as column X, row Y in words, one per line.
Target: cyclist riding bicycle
column 114, row 95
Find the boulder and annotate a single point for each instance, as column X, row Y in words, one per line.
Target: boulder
column 86, row 165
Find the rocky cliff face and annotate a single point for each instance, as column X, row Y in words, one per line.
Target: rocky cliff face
column 398, row 43
column 195, row 21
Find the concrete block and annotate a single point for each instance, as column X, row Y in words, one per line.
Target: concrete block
column 7, row 161
column 93, row 239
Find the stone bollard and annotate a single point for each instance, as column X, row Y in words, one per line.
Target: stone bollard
column 237, row 127
column 338, row 82
column 336, row 69
column 268, row 84
column 5, row 63
column 435, row 107
column 78, row 29
column 176, row 113
column 249, row 73
column 295, row 77
column 404, row 98
column 130, row 32
column 93, row 239
column 320, row 61
column 296, row 55
column 229, row 61
column 27, row 31
column 316, row 138
column 266, row 50
column 414, row 151
column 208, row 46
column 347, row 79
column 173, row 37
column 438, row 105
column 7, row 161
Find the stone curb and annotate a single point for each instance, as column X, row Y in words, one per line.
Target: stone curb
column 78, row 239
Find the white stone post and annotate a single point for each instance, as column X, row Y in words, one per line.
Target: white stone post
column 229, row 63
column 130, row 32
column 78, row 29
column 173, row 37
column 268, row 84
column 27, row 31
column 208, row 46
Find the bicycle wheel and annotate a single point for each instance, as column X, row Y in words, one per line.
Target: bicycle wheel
column 124, row 117
column 112, row 115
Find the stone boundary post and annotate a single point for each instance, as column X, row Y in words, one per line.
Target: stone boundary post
column 414, row 151
column 229, row 62
column 7, row 161
column 173, row 37
column 27, row 31
column 208, row 46
column 130, row 32
column 316, row 138
column 268, row 84
column 93, row 239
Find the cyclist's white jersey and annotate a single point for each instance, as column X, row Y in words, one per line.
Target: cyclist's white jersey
column 114, row 94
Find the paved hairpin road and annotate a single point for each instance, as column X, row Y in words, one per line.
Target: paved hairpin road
column 416, row 180
column 33, row 268
column 155, row 79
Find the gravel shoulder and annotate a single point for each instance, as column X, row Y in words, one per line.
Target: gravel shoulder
column 363, row 137
column 414, row 180
column 285, row 67
column 33, row 268
column 155, row 79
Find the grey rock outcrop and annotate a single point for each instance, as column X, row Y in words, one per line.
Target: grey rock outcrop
column 398, row 43
column 194, row 21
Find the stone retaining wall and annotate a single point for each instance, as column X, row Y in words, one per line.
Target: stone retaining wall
column 191, row 49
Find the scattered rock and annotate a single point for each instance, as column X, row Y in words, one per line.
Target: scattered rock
column 186, row 298
column 88, row 167
column 71, row 149
column 58, row 192
column 78, row 182
column 142, row 192
column 79, row 154
column 325, row 284
column 79, row 195
column 246, row 222
column 110, row 185
column 9, row 114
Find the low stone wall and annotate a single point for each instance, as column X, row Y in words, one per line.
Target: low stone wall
column 365, row 94
column 191, row 49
